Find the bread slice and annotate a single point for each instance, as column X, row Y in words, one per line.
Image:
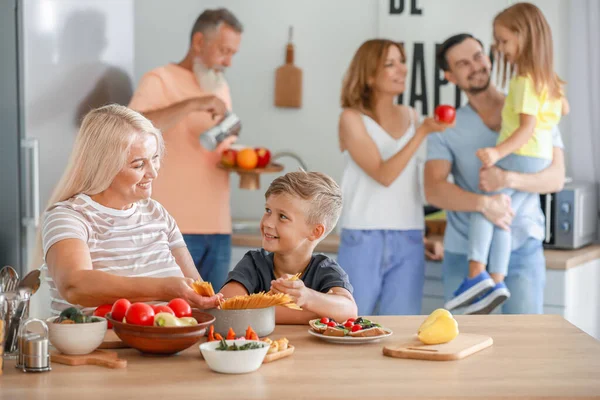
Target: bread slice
column 374, row 331
column 319, row 328
column 335, row 331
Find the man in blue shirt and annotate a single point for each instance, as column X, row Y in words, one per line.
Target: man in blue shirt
column 466, row 64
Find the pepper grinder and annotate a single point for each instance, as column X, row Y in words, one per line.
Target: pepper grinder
column 33, row 348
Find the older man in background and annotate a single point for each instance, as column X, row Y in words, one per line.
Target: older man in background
column 184, row 100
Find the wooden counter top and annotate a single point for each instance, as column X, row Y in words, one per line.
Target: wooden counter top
column 532, row 357
column 555, row 259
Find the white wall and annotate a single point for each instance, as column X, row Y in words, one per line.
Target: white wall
column 326, row 35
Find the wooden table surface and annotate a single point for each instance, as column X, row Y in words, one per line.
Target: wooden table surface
column 532, row 357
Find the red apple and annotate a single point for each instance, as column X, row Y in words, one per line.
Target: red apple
column 228, row 158
column 264, row 157
column 445, row 113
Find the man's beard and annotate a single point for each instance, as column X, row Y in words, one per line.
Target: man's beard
column 209, row 79
column 481, row 88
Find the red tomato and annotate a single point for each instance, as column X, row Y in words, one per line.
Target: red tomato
column 140, row 314
column 180, row 307
column 356, row 328
column 331, row 324
column 348, row 324
column 162, row 308
column 119, row 309
column 325, row 320
column 351, row 320
column 102, row 310
column 445, row 113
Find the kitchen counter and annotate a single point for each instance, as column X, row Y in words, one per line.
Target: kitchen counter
column 555, row 259
column 532, row 356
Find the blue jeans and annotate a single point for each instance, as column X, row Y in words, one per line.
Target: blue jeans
column 525, row 280
column 489, row 244
column 385, row 267
column 211, row 255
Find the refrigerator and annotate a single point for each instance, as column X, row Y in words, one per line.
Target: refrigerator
column 60, row 58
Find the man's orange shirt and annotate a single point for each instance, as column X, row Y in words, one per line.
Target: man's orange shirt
column 189, row 184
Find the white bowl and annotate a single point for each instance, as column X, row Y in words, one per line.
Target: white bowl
column 76, row 339
column 233, row 362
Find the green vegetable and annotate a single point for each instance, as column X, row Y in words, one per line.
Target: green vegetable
column 234, row 347
column 75, row 315
column 70, row 313
column 188, row 321
column 166, row 319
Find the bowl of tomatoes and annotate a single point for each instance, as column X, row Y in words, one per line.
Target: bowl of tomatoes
column 159, row 329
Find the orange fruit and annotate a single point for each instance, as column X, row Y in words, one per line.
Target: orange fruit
column 247, row 158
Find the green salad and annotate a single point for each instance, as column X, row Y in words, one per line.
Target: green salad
column 234, row 347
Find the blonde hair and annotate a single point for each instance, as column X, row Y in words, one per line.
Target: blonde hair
column 366, row 64
column 100, row 152
column 322, row 192
column 535, row 55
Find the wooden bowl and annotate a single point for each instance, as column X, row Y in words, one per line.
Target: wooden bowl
column 162, row 340
column 250, row 178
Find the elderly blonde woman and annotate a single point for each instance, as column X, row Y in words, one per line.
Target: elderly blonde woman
column 102, row 236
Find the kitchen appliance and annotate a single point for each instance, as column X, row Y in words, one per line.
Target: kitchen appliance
column 60, row 59
column 571, row 215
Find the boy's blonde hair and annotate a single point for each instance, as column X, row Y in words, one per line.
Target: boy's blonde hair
column 322, row 192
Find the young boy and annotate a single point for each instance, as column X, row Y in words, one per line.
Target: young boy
column 301, row 209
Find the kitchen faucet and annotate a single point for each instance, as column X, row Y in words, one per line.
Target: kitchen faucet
column 291, row 155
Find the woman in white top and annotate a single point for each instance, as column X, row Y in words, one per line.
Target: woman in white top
column 102, row 237
column 382, row 247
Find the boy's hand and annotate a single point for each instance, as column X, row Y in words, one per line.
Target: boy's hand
column 488, row 156
column 296, row 289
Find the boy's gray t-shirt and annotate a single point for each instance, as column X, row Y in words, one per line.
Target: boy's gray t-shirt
column 255, row 271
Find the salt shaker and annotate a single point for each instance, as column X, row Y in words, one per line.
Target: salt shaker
column 230, row 126
column 33, row 348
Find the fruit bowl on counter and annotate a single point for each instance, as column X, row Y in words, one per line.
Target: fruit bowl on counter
column 162, row 339
column 249, row 164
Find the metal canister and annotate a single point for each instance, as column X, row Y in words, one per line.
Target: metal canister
column 229, row 126
column 21, row 342
column 33, row 348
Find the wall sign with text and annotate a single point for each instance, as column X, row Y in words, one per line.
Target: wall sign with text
column 421, row 26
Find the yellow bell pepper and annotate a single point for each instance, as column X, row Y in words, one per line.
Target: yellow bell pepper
column 442, row 330
column 433, row 316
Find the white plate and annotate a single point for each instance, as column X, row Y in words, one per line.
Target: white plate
column 350, row 339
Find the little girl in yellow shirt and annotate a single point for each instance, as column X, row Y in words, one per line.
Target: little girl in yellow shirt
column 533, row 107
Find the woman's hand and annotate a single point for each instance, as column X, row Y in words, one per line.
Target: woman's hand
column 430, row 125
column 182, row 288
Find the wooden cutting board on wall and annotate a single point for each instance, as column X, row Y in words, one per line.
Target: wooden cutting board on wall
column 288, row 80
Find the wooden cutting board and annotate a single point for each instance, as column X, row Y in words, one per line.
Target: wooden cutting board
column 288, row 81
column 462, row 346
column 108, row 359
column 112, row 341
column 280, row 354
